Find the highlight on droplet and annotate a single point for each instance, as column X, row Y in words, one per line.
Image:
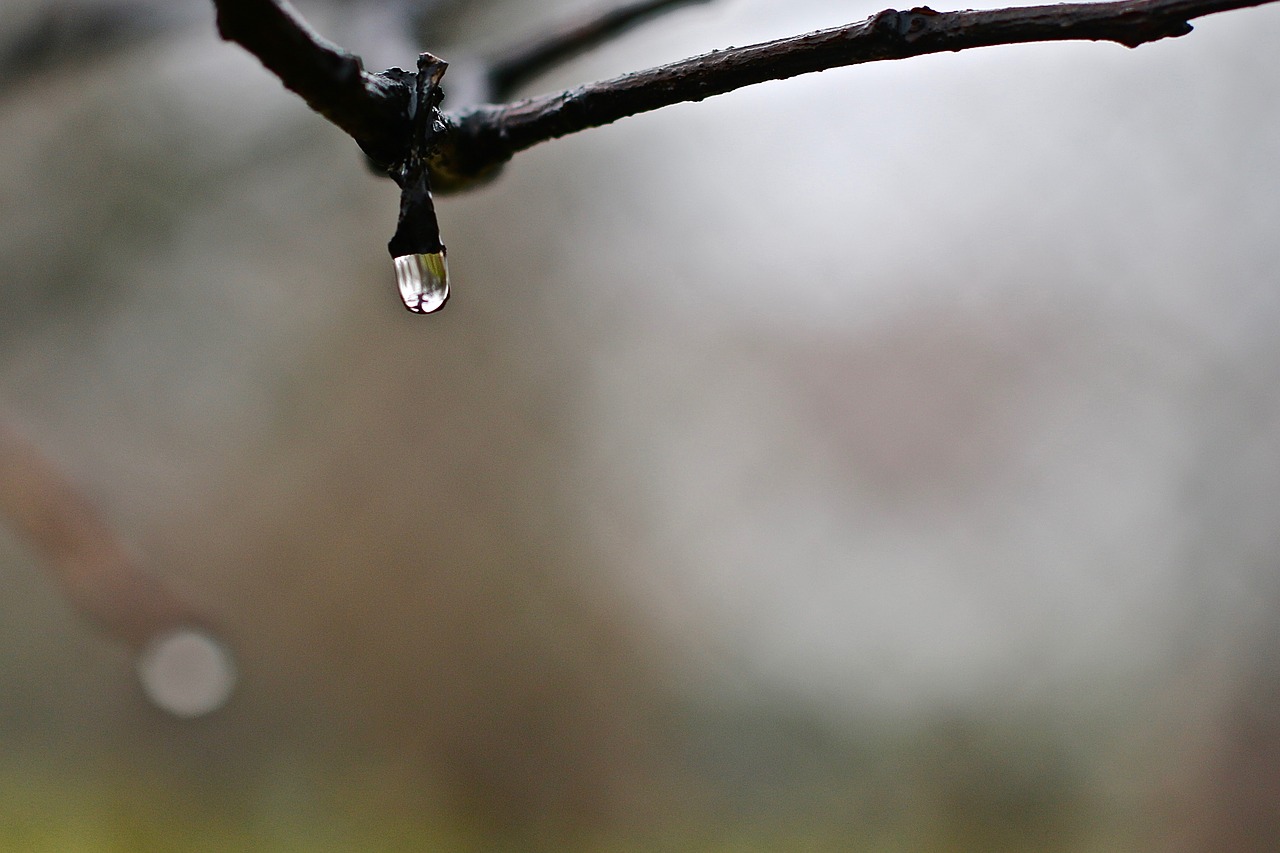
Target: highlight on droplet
column 187, row 672
column 423, row 281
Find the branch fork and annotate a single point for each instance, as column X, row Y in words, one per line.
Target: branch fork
column 422, row 271
column 468, row 146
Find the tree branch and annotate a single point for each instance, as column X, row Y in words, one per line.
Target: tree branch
column 372, row 108
column 469, row 146
column 375, row 108
column 520, row 63
column 486, row 136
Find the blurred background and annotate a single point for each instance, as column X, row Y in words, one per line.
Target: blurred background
column 886, row 459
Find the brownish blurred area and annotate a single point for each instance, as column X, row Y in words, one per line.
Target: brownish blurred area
column 403, row 565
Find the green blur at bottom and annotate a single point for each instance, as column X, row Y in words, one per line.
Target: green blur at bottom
column 118, row 809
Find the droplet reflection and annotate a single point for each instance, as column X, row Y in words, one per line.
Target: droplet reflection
column 187, row 673
column 424, row 281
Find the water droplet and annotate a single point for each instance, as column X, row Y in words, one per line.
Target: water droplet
column 187, row 672
column 424, row 281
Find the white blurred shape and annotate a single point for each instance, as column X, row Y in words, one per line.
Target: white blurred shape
column 187, row 673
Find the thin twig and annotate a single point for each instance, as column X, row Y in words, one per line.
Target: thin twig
column 488, row 135
column 519, row 64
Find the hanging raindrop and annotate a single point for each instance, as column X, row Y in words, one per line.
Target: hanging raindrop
column 422, row 272
column 423, row 280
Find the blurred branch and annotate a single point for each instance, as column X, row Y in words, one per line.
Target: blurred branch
column 88, row 560
column 60, row 35
column 520, row 63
